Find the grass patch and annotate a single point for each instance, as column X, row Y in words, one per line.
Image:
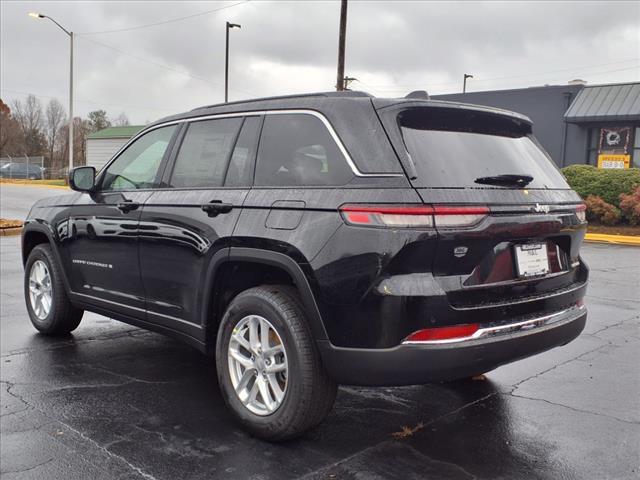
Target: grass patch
column 630, row 230
column 6, row 223
column 20, row 181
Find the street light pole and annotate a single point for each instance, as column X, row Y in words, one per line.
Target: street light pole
column 464, row 82
column 40, row 15
column 226, row 61
column 70, row 102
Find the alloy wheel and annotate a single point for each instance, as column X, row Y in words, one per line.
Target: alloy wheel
column 40, row 289
column 258, row 365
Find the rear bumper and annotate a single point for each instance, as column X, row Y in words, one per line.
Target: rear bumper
column 410, row 364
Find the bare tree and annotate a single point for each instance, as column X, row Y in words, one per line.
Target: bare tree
column 121, row 120
column 30, row 118
column 55, row 118
column 10, row 133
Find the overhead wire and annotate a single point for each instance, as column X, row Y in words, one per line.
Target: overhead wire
column 164, row 22
column 41, row 95
column 381, row 87
column 161, row 65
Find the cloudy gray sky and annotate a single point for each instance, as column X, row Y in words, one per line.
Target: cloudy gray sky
column 288, row 47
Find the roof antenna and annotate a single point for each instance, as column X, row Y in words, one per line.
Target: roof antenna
column 421, row 94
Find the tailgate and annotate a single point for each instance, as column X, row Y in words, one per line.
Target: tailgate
column 487, row 262
column 511, row 228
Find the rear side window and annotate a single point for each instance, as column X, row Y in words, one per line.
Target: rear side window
column 298, row 150
column 453, row 148
column 204, row 153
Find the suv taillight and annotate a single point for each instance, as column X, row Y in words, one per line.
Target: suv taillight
column 462, row 216
column 388, row 215
column 413, row 215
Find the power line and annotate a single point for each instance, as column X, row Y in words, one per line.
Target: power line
column 151, row 62
column 511, row 76
column 40, row 95
column 158, row 64
column 563, row 70
column 635, row 67
column 164, row 22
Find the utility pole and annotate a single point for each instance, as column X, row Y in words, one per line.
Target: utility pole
column 226, row 61
column 341, row 41
column 464, row 82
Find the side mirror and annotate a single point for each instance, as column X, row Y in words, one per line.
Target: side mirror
column 82, row 179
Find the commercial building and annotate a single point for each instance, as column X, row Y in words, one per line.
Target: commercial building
column 103, row 144
column 595, row 124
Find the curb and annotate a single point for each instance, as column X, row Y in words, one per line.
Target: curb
column 614, row 239
column 10, row 231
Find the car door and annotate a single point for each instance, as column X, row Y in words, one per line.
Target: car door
column 184, row 225
column 102, row 247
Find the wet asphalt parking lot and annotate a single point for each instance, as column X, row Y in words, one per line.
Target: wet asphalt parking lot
column 115, row 402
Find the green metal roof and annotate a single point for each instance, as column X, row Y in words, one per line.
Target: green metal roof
column 602, row 103
column 117, row 132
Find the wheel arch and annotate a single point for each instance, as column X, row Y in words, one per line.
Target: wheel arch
column 31, row 238
column 34, row 234
column 269, row 263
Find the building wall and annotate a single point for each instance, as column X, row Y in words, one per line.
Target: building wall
column 546, row 107
column 101, row 150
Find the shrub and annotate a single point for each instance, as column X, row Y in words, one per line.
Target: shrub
column 601, row 212
column 630, row 206
column 608, row 184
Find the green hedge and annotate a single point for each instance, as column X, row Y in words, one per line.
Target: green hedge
column 607, row 184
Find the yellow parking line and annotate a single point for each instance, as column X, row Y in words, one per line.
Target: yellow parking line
column 617, row 239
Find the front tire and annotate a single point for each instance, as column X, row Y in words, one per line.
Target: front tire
column 49, row 308
column 269, row 369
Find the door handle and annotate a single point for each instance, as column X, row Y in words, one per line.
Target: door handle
column 127, row 206
column 216, row 207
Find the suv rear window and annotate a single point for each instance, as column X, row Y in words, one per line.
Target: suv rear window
column 451, row 148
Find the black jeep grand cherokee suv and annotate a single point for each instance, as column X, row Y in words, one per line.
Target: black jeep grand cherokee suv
column 316, row 240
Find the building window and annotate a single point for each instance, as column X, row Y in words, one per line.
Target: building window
column 592, row 149
column 635, row 158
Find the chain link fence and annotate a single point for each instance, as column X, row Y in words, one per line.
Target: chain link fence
column 25, row 167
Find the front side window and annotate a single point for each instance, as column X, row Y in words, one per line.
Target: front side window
column 298, row 150
column 137, row 167
column 204, row 153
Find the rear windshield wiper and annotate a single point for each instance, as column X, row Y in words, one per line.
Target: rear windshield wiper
column 507, row 179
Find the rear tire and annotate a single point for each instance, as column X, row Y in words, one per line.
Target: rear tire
column 306, row 392
column 49, row 308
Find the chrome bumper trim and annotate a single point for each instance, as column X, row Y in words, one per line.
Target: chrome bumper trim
column 523, row 326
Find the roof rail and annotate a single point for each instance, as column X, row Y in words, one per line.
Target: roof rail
column 345, row 93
